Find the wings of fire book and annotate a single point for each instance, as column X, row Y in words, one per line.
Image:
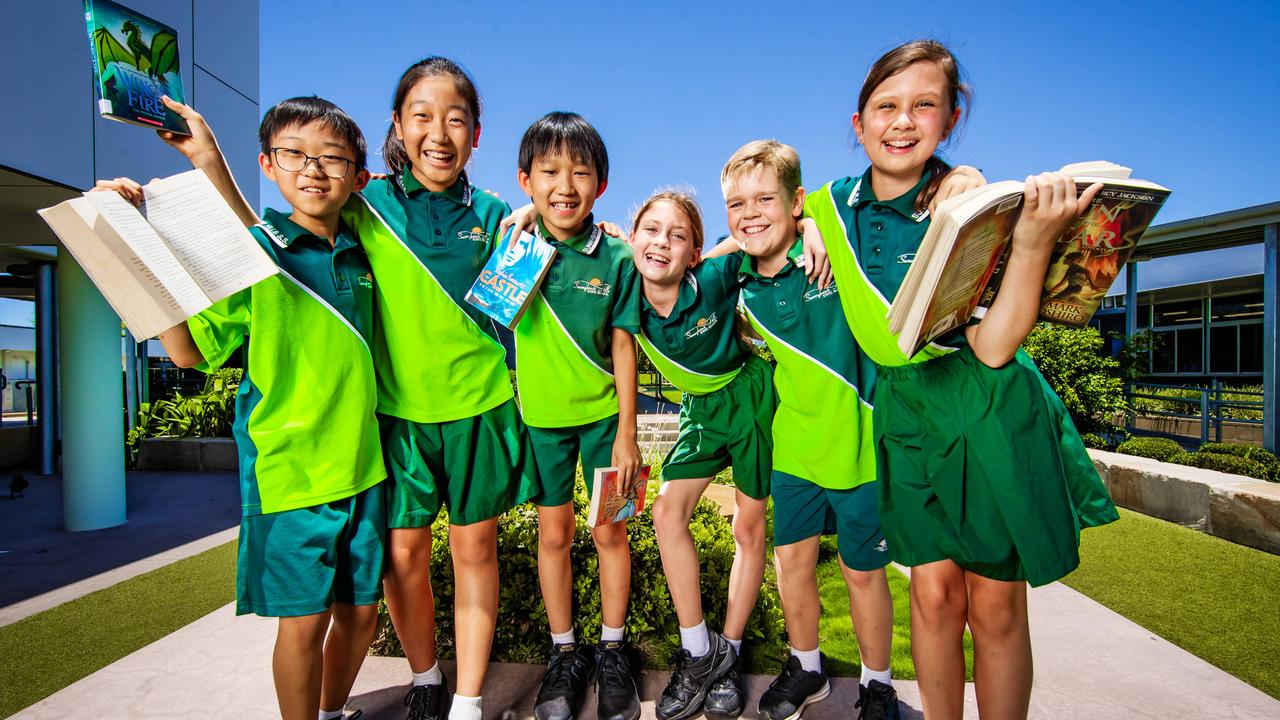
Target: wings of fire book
column 958, row 268
column 135, row 61
column 510, row 279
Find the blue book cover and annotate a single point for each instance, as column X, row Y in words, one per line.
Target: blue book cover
column 509, row 280
column 135, row 61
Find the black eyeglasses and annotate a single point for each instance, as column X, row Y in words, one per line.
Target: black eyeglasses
column 296, row 161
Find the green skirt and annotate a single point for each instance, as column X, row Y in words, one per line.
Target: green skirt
column 983, row 466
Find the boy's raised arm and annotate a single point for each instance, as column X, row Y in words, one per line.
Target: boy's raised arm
column 201, row 148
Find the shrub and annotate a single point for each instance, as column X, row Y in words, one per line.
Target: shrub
column 208, row 414
column 522, row 631
column 1095, row 441
column 1073, row 361
column 1250, row 452
column 1161, row 449
column 1224, row 463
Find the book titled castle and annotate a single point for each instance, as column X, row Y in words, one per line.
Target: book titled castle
column 509, row 280
column 611, row 502
column 135, row 61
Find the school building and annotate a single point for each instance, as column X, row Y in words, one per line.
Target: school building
column 54, row 146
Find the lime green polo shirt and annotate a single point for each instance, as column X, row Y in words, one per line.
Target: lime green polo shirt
column 822, row 428
column 564, row 362
column 305, row 427
column 697, row 347
column 438, row 356
column 872, row 244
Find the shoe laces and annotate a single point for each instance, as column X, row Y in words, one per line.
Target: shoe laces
column 681, row 678
column 566, row 670
column 871, row 703
column 612, row 667
column 789, row 676
column 419, row 699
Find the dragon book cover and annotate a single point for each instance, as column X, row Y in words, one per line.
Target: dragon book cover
column 135, row 61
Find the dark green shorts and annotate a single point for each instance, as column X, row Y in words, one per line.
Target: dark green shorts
column 977, row 466
column 802, row 510
column 478, row 467
column 300, row 562
column 557, row 450
column 731, row 426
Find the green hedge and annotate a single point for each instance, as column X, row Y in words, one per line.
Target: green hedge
column 1094, row 441
column 522, row 634
column 1161, row 449
column 1250, row 452
column 1222, row 463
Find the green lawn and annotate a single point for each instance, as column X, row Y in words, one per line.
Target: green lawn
column 1213, row 598
column 48, row 651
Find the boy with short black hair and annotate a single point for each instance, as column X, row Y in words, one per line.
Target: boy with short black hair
column 311, row 468
column 576, row 372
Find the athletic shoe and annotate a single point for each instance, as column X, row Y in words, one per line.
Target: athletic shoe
column 726, row 697
column 792, row 690
column 692, row 679
column 564, row 683
column 616, row 697
column 877, row 701
column 426, row 702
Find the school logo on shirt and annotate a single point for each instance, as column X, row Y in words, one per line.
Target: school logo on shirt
column 906, row 258
column 594, row 286
column 702, row 327
column 475, row 234
column 816, row 293
column 365, row 281
column 883, row 546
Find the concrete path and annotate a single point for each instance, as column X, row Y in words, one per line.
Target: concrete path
column 1090, row 663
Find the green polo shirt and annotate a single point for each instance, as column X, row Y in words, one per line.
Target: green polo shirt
column 564, row 362
column 697, row 347
column 822, row 428
column 305, row 426
column 871, row 244
column 438, row 356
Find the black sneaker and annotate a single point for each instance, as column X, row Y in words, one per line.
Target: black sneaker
column 565, row 682
column 426, row 702
column 616, row 697
column 877, row 701
column 726, row 697
column 792, row 690
column 692, row 679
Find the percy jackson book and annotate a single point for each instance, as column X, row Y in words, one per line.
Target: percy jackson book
column 135, row 61
column 957, row 271
column 610, row 502
column 510, row 279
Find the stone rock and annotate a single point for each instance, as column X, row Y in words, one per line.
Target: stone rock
column 1247, row 513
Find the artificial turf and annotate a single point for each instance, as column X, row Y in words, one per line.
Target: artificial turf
column 46, row 652
column 1217, row 600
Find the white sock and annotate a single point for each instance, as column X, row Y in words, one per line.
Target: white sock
column 465, row 708
column 332, row 714
column 868, row 674
column 610, row 634
column 696, row 639
column 810, row 660
column 564, row 638
column 431, row 676
column 735, row 644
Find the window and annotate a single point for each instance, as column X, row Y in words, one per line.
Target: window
column 1162, row 351
column 1235, row 308
column 1179, row 313
column 1224, row 352
column 1251, row 348
column 1190, row 350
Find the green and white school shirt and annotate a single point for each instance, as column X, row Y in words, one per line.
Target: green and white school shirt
column 305, row 427
column 564, row 363
column 822, row 427
column 438, row 356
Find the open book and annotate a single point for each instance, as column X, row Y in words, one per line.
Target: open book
column 958, row 268
column 510, row 279
column 610, row 502
column 159, row 264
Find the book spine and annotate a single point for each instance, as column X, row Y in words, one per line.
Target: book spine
column 93, row 50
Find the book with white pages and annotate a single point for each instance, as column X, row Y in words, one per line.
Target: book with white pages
column 158, row 264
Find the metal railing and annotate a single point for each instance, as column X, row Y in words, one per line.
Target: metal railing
column 28, row 388
column 1207, row 403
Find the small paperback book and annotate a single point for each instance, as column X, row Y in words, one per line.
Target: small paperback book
column 135, row 61
column 159, row 264
column 510, row 279
column 610, row 502
column 959, row 266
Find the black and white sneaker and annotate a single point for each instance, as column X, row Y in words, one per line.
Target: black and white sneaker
column 727, row 697
column 616, row 696
column 425, row 702
column 792, row 690
column 877, row 701
column 693, row 678
column 565, row 682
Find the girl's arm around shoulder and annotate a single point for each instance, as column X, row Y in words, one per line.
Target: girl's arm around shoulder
column 626, row 451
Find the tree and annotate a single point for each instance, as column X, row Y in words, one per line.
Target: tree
column 1085, row 377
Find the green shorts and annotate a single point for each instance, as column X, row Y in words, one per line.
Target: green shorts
column 731, row 426
column 557, row 449
column 802, row 510
column 478, row 467
column 300, row 562
column 976, row 466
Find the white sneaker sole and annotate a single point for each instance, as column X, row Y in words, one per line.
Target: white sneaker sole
column 818, row 696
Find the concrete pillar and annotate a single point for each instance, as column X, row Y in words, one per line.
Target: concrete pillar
column 1130, row 299
column 93, row 490
column 1270, row 336
column 46, row 365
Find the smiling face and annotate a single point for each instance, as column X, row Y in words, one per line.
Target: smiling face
column 311, row 192
column 438, row 130
column 663, row 243
column 762, row 214
column 904, row 120
column 563, row 188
